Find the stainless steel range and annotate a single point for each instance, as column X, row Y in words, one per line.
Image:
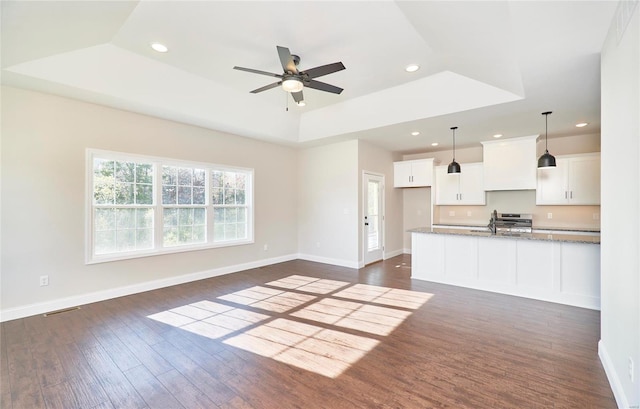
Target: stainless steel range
column 513, row 223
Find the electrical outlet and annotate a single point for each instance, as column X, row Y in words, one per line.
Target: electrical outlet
column 266, row 247
column 549, row 215
column 631, row 370
column 419, row 212
column 452, row 213
column 469, row 213
column 44, row 281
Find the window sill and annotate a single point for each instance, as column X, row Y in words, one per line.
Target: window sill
column 98, row 259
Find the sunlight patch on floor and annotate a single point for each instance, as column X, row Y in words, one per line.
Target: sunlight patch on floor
column 268, row 299
column 308, row 284
column 367, row 309
column 323, row 351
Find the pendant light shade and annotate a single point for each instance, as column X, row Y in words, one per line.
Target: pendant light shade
column 454, row 167
column 546, row 160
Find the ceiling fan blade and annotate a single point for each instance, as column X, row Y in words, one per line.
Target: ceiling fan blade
column 270, row 74
column 297, row 96
column 324, row 70
column 286, row 60
column 323, row 86
column 266, row 87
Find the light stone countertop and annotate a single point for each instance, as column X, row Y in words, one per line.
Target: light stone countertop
column 560, row 236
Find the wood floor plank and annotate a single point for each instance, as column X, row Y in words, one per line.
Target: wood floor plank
column 5, row 386
column 84, row 381
column 215, row 389
column 143, row 352
column 120, row 391
column 120, row 354
column 151, row 389
column 186, row 392
column 399, row 343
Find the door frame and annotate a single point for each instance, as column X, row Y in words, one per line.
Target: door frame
column 363, row 230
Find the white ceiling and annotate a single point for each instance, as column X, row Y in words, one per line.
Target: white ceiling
column 486, row 66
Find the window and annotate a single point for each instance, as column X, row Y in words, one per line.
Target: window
column 229, row 205
column 141, row 206
column 184, row 205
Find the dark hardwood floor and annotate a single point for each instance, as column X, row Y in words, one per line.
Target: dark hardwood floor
column 307, row 335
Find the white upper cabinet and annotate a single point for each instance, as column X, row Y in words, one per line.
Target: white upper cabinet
column 465, row 188
column 413, row 173
column 510, row 164
column 574, row 181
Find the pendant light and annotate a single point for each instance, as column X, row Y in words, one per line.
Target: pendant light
column 546, row 160
column 454, row 167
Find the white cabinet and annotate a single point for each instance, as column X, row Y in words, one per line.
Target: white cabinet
column 464, row 188
column 574, row 181
column 510, row 164
column 413, row 173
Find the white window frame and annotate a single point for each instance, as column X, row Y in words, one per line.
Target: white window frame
column 158, row 207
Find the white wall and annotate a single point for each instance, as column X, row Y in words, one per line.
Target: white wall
column 620, row 314
column 328, row 205
column 375, row 159
column 44, row 139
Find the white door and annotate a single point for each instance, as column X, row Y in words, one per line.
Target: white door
column 373, row 232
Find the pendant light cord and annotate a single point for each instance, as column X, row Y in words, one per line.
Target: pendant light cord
column 454, row 142
column 546, row 131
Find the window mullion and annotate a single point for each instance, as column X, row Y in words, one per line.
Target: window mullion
column 158, row 209
column 208, row 182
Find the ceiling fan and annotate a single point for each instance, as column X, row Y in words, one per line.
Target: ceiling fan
column 293, row 81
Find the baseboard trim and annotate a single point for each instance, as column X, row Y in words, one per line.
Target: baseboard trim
column 612, row 376
column 406, row 251
column 393, row 253
column 332, row 261
column 67, row 302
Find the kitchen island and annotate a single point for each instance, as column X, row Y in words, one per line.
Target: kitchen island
column 562, row 267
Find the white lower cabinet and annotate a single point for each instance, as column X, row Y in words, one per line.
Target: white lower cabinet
column 556, row 271
column 464, row 188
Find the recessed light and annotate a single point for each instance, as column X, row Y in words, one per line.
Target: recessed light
column 434, row 144
column 412, row 68
column 415, row 133
column 161, row 48
column 582, row 124
column 498, row 135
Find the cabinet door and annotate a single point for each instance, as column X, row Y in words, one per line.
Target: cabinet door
column 510, row 164
column 447, row 187
column 401, row 174
column 422, row 172
column 584, row 181
column 472, row 185
column 552, row 184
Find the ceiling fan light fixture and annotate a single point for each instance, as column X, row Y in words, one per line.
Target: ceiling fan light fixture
column 301, row 103
column 547, row 160
column 292, row 84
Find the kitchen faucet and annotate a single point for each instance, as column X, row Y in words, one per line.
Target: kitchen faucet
column 492, row 222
